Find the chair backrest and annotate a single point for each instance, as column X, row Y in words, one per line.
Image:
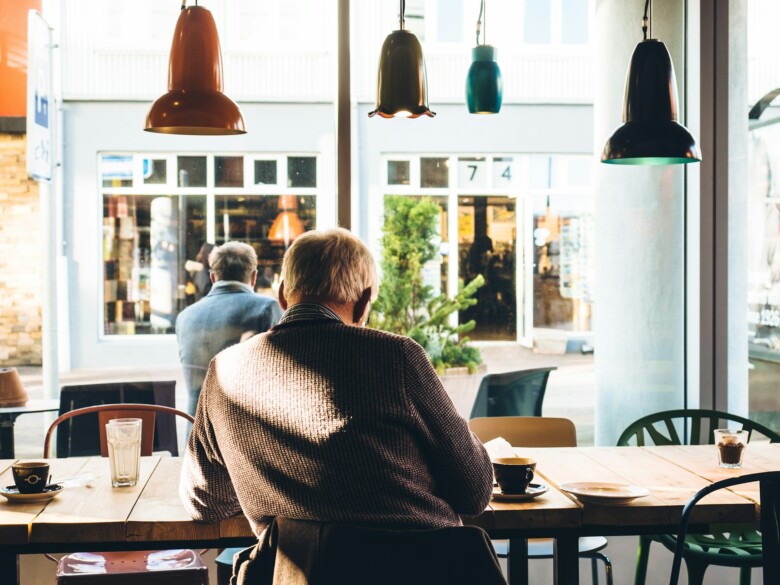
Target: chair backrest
column 770, row 521
column 526, row 431
column 105, row 412
column 318, row 553
column 696, row 426
column 519, row 393
column 76, row 438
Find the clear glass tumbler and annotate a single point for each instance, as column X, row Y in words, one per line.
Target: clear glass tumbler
column 731, row 445
column 124, row 450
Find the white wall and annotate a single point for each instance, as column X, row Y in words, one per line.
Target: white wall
column 92, row 127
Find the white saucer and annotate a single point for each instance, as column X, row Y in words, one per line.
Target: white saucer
column 534, row 491
column 593, row 492
column 11, row 493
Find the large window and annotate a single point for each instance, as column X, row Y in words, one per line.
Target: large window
column 162, row 215
column 523, row 223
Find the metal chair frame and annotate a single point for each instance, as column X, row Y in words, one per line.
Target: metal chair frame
column 769, row 520
column 662, row 428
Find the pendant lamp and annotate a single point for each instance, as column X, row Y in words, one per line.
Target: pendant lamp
column 195, row 103
column 402, row 86
column 287, row 226
column 650, row 134
column 484, row 86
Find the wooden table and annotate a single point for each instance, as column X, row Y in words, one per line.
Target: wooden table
column 150, row 514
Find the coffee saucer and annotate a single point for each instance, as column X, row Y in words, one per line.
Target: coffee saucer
column 534, row 491
column 11, row 493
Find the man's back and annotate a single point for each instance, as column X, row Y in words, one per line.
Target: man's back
column 217, row 321
column 323, row 421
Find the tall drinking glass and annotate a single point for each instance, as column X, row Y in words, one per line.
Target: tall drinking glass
column 124, row 450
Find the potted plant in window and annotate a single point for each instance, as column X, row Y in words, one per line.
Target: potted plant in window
column 408, row 306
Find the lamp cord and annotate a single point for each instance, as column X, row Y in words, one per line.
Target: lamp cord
column 646, row 21
column 402, row 14
column 479, row 23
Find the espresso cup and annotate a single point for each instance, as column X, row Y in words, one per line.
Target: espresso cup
column 30, row 477
column 514, row 474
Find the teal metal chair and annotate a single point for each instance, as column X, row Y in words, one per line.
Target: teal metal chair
column 733, row 546
column 769, row 482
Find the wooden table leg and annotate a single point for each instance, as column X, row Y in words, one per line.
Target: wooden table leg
column 517, row 562
column 566, row 562
column 9, row 567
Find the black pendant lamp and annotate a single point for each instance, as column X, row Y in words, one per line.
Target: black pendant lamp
column 484, row 86
column 402, row 86
column 650, row 134
column 195, row 103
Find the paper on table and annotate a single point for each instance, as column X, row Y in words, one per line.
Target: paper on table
column 499, row 447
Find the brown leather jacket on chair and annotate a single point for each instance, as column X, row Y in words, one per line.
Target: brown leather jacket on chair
column 299, row 552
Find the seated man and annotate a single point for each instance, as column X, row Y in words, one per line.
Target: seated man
column 323, row 419
column 231, row 312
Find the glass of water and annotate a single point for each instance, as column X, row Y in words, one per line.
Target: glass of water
column 124, row 450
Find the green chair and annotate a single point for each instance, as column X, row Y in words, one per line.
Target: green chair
column 734, row 546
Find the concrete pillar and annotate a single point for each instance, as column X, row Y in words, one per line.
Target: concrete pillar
column 640, row 239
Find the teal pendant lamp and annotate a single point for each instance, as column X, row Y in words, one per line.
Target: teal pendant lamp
column 484, row 86
column 650, row 134
column 402, row 84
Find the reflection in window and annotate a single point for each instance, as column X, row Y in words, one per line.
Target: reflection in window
column 563, row 268
column 487, row 242
column 192, row 171
column 265, row 172
column 574, row 25
column 434, row 172
column 228, row 171
column 301, row 171
column 253, row 219
column 116, row 170
column 450, row 21
column 537, row 22
column 155, row 171
column 398, row 172
column 146, row 242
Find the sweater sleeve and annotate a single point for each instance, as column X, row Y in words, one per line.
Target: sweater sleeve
column 459, row 463
column 205, row 486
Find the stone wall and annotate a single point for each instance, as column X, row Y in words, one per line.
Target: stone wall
column 20, row 258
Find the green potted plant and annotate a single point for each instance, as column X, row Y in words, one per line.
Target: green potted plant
column 407, row 306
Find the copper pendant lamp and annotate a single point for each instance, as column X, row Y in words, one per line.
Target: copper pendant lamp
column 402, row 85
column 195, row 103
column 287, row 226
column 650, row 134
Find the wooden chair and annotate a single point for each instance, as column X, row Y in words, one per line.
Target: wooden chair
column 166, row 567
column 729, row 548
column 540, row 431
column 519, row 393
column 769, row 482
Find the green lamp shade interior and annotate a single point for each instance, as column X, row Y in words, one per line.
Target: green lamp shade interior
column 484, row 85
column 645, row 143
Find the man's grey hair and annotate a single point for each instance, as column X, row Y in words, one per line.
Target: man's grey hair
column 233, row 261
column 332, row 264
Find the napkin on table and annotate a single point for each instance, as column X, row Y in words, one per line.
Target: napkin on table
column 499, row 447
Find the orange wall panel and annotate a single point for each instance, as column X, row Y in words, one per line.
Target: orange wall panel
column 13, row 55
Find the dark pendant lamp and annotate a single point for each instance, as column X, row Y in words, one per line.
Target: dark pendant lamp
column 195, row 103
column 402, row 86
column 650, row 134
column 484, row 86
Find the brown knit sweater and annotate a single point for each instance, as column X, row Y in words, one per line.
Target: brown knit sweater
column 317, row 420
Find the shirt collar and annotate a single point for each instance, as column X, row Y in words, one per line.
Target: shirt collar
column 233, row 284
column 308, row 312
